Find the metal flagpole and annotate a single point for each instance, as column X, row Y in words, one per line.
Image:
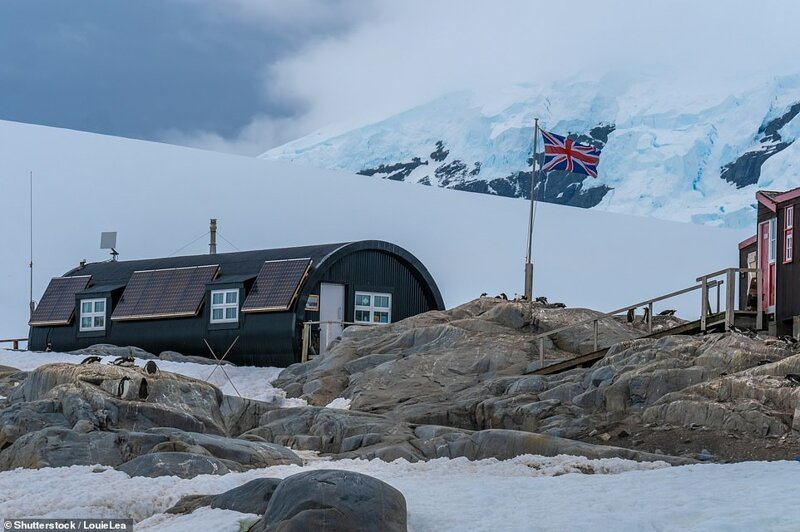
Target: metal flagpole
column 528, row 262
column 31, row 305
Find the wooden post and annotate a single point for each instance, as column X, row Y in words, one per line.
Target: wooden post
column 650, row 318
column 306, row 338
column 759, row 302
column 595, row 335
column 15, row 345
column 718, row 285
column 704, row 304
column 541, row 352
column 729, row 299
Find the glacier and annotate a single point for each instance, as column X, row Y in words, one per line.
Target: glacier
column 670, row 150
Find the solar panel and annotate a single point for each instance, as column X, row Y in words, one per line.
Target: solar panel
column 58, row 301
column 277, row 285
column 169, row 293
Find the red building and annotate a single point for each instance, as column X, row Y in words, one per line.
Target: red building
column 772, row 249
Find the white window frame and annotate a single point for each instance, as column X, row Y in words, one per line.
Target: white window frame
column 773, row 239
column 93, row 315
column 371, row 308
column 224, row 306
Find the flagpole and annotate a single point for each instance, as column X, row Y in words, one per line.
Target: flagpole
column 528, row 262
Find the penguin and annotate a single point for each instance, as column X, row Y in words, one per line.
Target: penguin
column 542, row 300
column 125, row 362
column 503, row 296
column 91, row 360
column 122, row 387
column 556, row 305
column 151, row 367
column 483, row 294
column 646, row 315
column 764, row 362
column 668, row 312
column 631, row 315
column 793, row 378
column 143, row 390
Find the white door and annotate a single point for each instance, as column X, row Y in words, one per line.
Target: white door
column 331, row 309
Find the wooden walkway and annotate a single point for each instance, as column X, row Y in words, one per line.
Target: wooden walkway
column 714, row 322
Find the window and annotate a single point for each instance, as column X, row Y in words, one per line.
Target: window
column 93, row 315
column 225, row 306
column 788, row 234
column 373, row 307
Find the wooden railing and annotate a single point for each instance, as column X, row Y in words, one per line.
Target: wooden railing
column 307, row 332
column 730, row 296
column 707, row 282
column 14, row 342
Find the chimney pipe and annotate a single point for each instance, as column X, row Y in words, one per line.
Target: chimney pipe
column 212, row 245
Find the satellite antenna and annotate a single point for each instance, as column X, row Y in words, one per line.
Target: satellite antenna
column 108, row 240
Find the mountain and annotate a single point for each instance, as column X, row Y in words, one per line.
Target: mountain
column 159, row 197
column 671, row 150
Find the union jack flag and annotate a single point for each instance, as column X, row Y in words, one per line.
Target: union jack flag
column 562, row 153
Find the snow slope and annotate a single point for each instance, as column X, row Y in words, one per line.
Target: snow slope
column 671, row 150
column 160, row 197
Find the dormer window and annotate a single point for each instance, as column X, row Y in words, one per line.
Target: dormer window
column 225, row 306
column 93, row 315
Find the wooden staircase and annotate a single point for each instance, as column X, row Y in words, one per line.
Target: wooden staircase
column 708, row 321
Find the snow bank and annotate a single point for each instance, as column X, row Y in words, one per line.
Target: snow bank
column 340, row 403
column 526, row 493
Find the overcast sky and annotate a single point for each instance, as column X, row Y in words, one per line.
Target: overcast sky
column 246, row 75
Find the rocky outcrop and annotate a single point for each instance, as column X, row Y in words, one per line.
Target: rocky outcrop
column 332, row 499
column 348, row 434
column 119, row 397
column 82, row 414
column 466, row 369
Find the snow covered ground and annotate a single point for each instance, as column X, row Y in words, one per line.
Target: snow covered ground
column 159, row 198
column 525, row 493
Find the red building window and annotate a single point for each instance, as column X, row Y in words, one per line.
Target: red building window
column 788, row 234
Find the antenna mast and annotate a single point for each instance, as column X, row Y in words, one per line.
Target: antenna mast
column 31, row 304
column 212, row 244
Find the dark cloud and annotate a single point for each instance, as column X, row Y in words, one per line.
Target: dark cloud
column 140, row 68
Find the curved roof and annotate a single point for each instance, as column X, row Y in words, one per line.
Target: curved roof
column 240, row 265
column 233, row 266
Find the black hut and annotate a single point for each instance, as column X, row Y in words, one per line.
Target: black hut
column 259, row 299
